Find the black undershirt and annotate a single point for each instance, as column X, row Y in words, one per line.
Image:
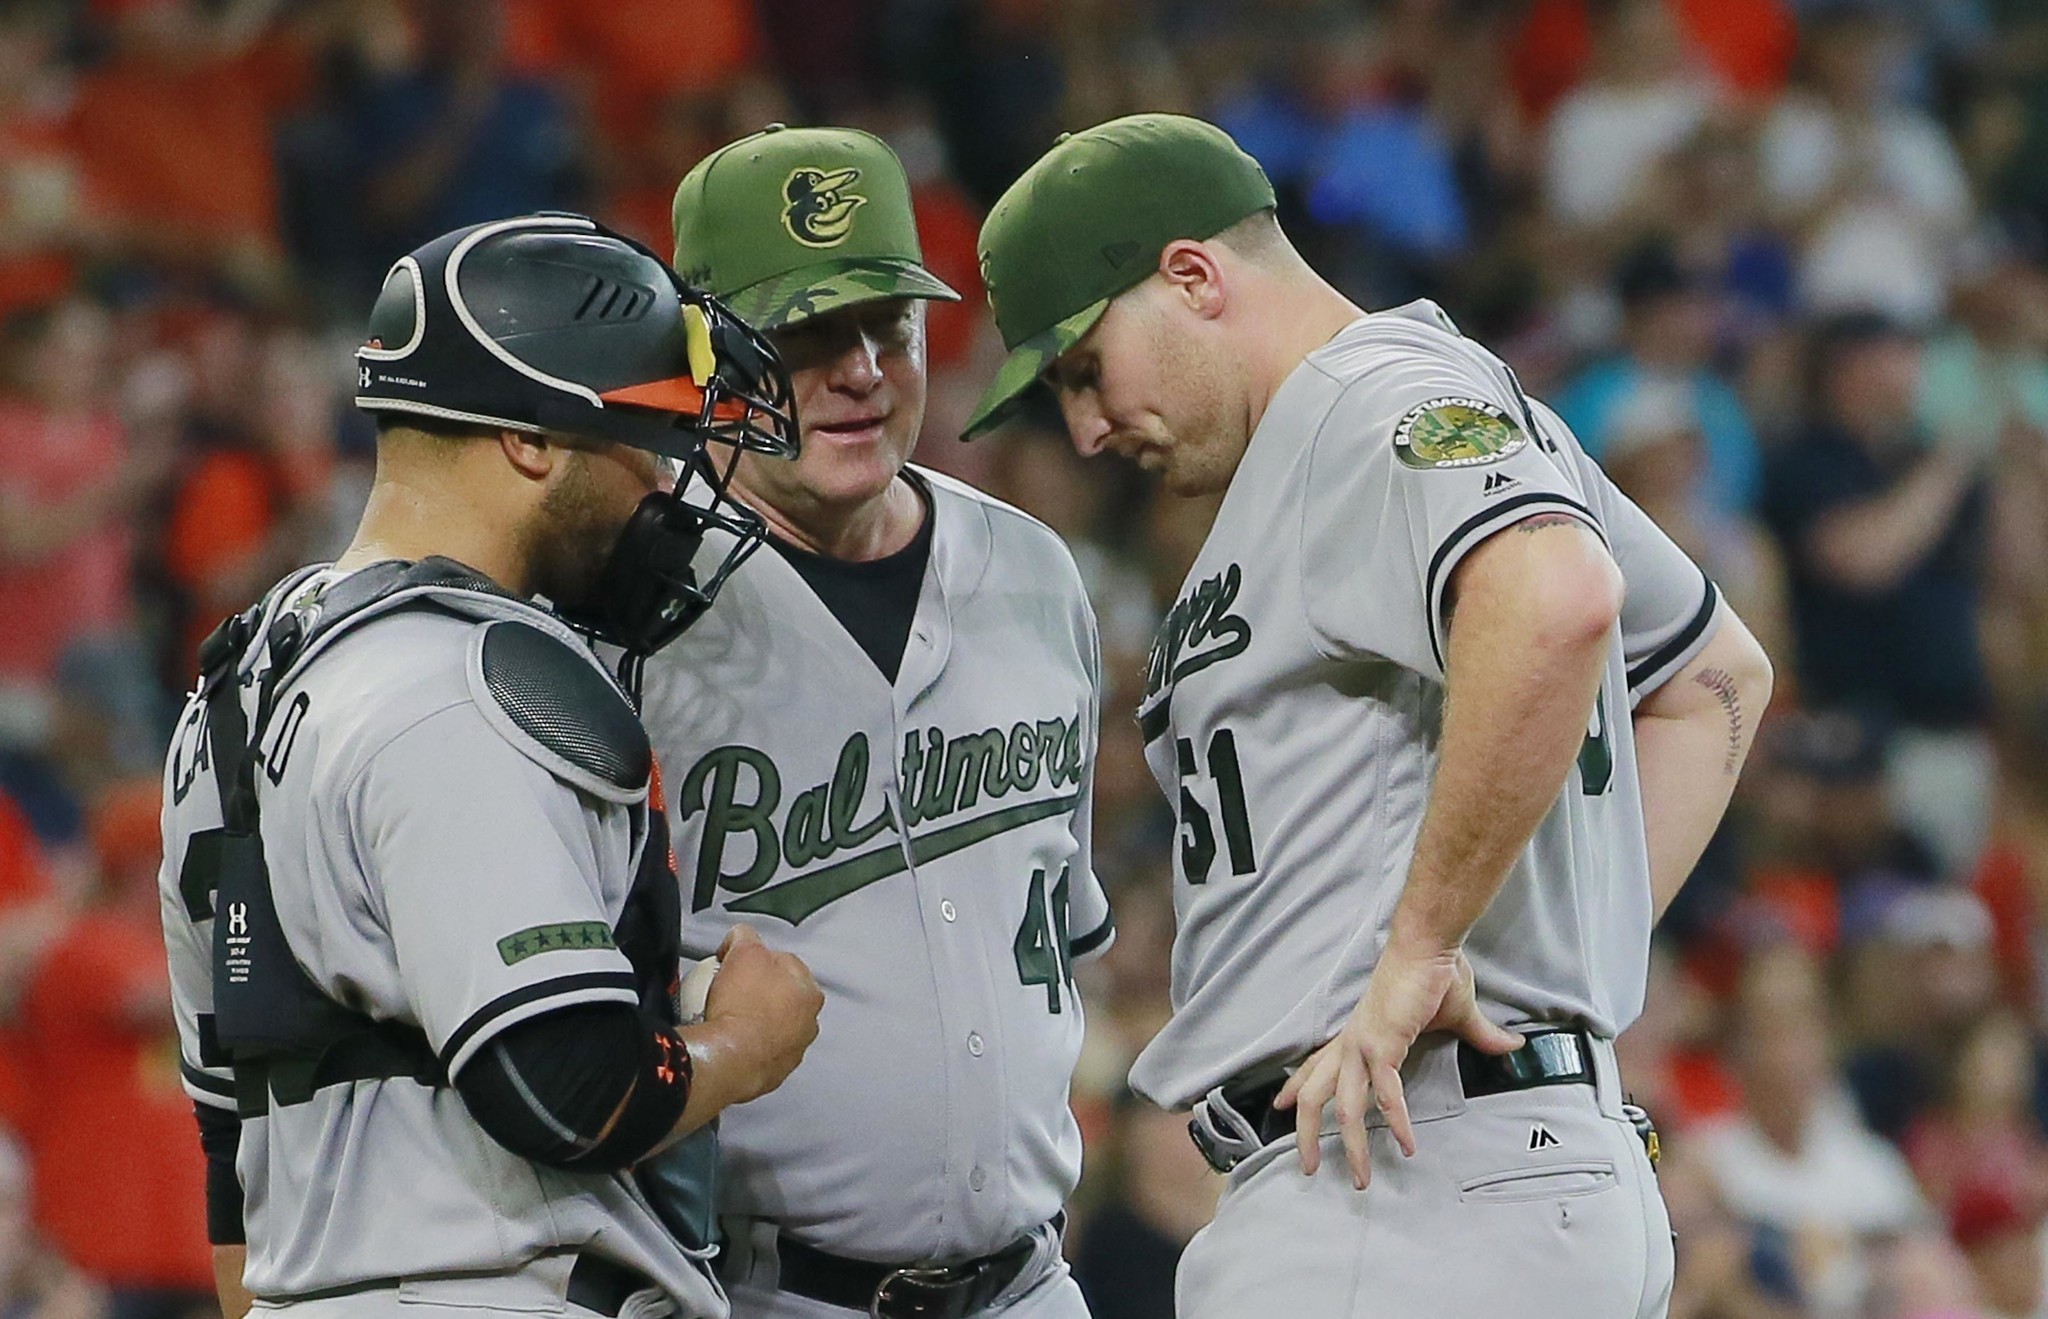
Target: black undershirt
column 875, row 600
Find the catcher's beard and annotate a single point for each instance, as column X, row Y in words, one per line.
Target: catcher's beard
column 570, row 537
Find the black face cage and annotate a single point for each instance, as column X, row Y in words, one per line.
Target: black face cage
column 750, row 376
column 650, row 592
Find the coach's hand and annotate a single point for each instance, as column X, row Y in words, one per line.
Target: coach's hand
column 760, row 1016
column 1412, row 990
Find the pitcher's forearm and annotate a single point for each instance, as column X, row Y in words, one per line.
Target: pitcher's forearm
column 1693, row 735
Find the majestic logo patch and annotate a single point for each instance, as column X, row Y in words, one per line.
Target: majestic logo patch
column 560, row 937
column 1456, row 432
column 1540, row 1138
column 819, row 212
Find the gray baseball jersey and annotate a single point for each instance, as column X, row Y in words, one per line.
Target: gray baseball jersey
column 432, row 865
column 924, row 847
column 1295, row 697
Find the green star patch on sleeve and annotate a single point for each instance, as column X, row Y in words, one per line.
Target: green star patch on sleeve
column 516, row 948
column 1456, row 432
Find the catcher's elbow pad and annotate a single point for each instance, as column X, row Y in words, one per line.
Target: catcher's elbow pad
column 652, row 1109
column 592, row 1087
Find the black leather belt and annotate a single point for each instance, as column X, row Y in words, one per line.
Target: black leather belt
column 603, row 1286
column 905, row 1291
column 1548, row 1057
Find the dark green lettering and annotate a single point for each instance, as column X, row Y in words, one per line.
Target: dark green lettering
column 1023, row 767
column 977, row 762
column 803, row 829
column 1052, row 735
column 849, row 785
column 725, row 814
column 933, row 797
column 795, row 899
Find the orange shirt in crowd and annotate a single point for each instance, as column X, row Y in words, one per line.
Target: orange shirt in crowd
column 641, row 53
column 948, row 227
column 23, row 880
column 222, row 513
column 183, row 154
column 1747, row 44
column 121, row 1184
column 84, row 587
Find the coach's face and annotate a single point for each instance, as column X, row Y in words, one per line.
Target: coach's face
column 859, row 380
column 1151, row 382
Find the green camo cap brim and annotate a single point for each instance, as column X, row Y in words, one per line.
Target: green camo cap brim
column 814, row 290
column 1025, row 364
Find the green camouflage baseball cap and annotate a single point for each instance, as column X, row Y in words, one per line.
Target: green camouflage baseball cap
column 793, row 222
column 1089, row 221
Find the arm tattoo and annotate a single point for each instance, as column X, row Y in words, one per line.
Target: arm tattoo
column 1723, row 687
column 1537, row 522
column 1542, row 520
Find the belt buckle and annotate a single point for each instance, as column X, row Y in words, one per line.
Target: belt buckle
column 937, row 1282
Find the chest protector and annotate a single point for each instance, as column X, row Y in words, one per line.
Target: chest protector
column 284, row 1036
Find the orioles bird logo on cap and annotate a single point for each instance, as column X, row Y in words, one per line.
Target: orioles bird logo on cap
column 819, row 211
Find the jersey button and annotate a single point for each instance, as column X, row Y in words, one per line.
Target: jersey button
column 974, row 1045
column 977, row 1179
column 946, row 909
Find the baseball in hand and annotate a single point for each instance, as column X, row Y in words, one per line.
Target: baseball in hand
column 695, row 988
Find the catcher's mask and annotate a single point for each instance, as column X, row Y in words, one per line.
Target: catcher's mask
column 552, row 323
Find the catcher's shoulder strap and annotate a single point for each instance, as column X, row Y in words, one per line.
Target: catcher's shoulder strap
column 284, row 1036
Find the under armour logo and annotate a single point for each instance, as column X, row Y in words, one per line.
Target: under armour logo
column 362, row 377
column 238, row 918
column 1541, row 1139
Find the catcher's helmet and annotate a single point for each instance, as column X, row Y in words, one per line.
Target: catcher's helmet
column 552, row 323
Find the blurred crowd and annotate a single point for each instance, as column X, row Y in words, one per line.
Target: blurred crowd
column 1782, row 264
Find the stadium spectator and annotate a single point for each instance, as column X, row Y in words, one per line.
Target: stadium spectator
column 1668, row 335
column 452, row 135
column 1729, row 1269
column 68, row 490
column 1708, row 206
column 1984, row 1138
column 1644, row 98
column 41, row 227
column 250, row 461
column 173, row 134
column 1798, row 1158
column 1883, row 530
column 129, row 1207
column 1986, row 390
column 1871, row 185
column 33, row 1283
column 1920, row 976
